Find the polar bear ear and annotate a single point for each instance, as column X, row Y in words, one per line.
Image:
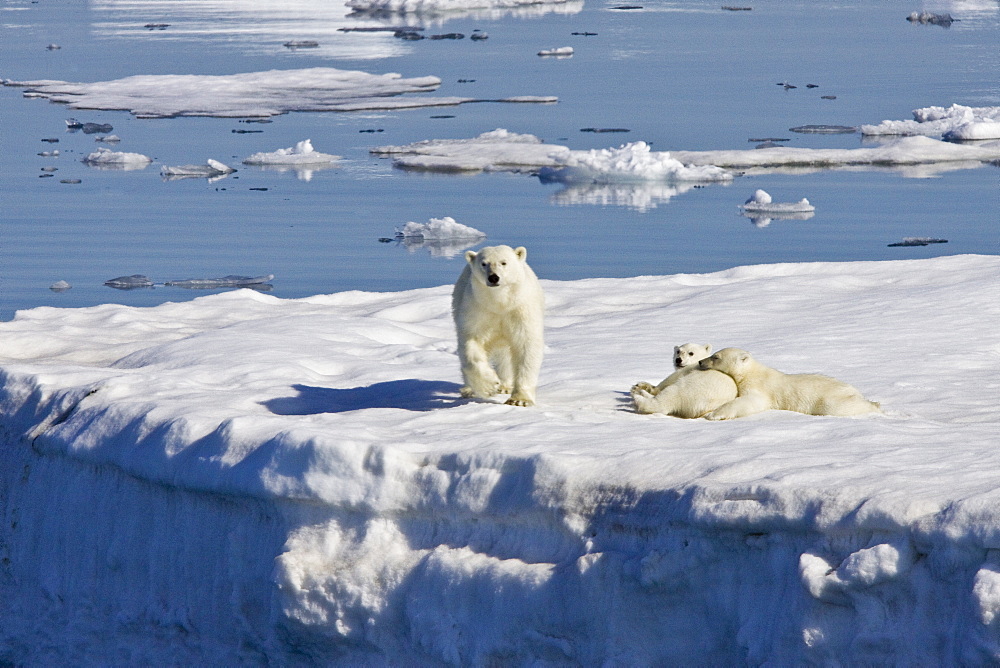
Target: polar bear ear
column 470, row 256
column 708, row 347
column 521, row 252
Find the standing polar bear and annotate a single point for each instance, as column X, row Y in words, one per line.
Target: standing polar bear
column 762, row 388
column 689, row 392
column 498, row 306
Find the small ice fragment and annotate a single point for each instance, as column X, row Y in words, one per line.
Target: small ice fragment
column 985, row 128
column 478, row 36
column 761, row 202
column 928, row 18
column 129, row 282
column 50, row 169
column 561, row 51
column 302, row 153
column 105, row 157
column 70, row 181
column 108, row 139
column 230, row 281
column 439, row 229
column 824, row 129
column 88, row 128
column 49, row 154
column 60, row 286
column 53, row 47
column 918, row 241
column 213, row 169
column 302, row 44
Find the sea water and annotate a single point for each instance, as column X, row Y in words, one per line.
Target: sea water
column 679, row 75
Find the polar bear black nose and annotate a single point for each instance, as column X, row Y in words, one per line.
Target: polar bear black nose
column 678, row 362
column 493, row 279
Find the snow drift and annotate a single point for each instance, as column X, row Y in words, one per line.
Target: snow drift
column 242, row 479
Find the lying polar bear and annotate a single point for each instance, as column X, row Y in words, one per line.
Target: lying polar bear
column 688, row 392
column 762, row 388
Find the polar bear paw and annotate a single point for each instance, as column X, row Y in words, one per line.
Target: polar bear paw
column 644, row 387
column 520, row 400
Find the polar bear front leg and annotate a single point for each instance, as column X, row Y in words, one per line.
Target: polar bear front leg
column 645, row 402
column 480, row 378
column 740, row 407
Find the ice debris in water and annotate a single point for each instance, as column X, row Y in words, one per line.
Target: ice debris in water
column 761, row 201
column 60, row 286
column 933, row 121
column 212, row 169
column 918, row 241
column 561, row 51
column 929, row 18
column 105, row 157
column 230, row 281
column 438, row 229
column 129, row 282
column 302, row 153
column 108, row 139
column 88, row 128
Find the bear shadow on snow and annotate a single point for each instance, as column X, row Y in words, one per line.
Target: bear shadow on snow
column 411, row 394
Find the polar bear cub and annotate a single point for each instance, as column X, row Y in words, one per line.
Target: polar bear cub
column 499, row 307
column 688, row 392
column 762, row 388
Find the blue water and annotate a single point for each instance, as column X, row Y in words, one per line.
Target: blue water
column 684, row 75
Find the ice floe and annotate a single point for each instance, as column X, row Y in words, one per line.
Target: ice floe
column 501, row 150
column 441, row 237
column 939, row 121
column 435, row 7
column 108, row 159
column 302, row 154
column 761, row 202
column 129, row 282
column 562, row 52
column 247, row 480
column 230, row 281
column 252, row 94
column 211, row 170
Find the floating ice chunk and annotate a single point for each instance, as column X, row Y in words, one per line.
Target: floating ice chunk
column 628, row 163
column 918, row 241
column 934, row 121
column 108, row 159
column 251, row 94
column 639, row 196
column 439, row 6
column 60, row 286
column 929, row 18
column 491, row 151
column 108, row 139
column 302, row 153
column 88, row 128
column 231, row 281
column 561, row 51
column 761, row 202
column 986, row 128
column 129, row 282
column 212, row 170
column 439, row 229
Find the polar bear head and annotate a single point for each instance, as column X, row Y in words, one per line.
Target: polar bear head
column 690, row 353
column 730, row 361
column 495, row 266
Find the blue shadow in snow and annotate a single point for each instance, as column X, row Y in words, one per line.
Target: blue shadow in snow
column 410, row 394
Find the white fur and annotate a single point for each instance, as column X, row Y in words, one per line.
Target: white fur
column 762, row 388
column 498, row 306
column 688, row 392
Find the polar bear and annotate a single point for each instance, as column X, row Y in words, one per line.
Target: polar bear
column 762, row 388
column 498, row 306
column 688, row 392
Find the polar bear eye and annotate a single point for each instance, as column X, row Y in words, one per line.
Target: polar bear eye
column 690, row 354
column 503, row 264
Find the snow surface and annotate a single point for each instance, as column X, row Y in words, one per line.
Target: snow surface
column 246, row 480
column 252, row 94
column 302, row 153
column 504, row 150
column 938, row 121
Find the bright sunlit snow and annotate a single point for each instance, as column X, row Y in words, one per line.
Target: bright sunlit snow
column 252, row 480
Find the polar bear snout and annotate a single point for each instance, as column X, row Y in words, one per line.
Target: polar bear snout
column 492, row 279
